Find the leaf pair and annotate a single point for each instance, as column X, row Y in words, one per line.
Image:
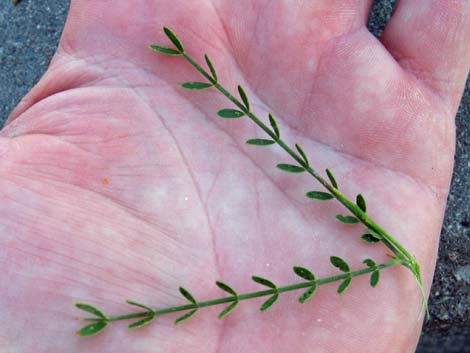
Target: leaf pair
column 266, row 142
column 235, row 113
column 185, row 293
column 231, row 307
column 361, row 203
column 169, row 51
column 309, row 276
column 97, row 326
column 344, row 267
column 203, row 85
column 272, row 299
column 374, row 278
column 147, row 320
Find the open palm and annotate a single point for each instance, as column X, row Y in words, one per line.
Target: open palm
column 116, row 184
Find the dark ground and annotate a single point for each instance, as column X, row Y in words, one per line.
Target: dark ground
column 29, row 34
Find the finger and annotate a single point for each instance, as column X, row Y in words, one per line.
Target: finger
column 431, row 39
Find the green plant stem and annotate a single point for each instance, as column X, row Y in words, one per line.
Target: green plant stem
column 389, row 241
column 257, row 294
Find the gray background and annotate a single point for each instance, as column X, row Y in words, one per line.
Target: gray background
column 29, row 33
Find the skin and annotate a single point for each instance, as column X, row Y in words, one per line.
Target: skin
column 116, row 184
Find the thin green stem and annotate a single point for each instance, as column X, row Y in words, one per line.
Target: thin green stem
column 257, row 294
column 388, row 240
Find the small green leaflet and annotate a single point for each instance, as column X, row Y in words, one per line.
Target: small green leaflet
column 374, row 233
column 230, row 113
column 226, row 287
column 196, row 85
column 274, row 125
column 174, row 38
column 339, row 263
column 263, row 281
column 308, row 294
column 347, row 219
column 211, row 67
column 332, row 178
column 268, row 303
column 143, row 306
column 374, row 278
column 90, row 309
column 291, row 168
column 319, row 195
column 344, row 285
column 164, row 50
column 361, row 202
column 260, row 142
column 303, row 155
column 92, row 329
column 369, row 238
column 228, row 310
column 141, row 323
column 369, row 262
column 304, row 273
column 244, row 97
column 185, row 316
column 185, row 293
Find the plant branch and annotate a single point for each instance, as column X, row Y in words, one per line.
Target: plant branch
column 252, row 295
column 388, row 240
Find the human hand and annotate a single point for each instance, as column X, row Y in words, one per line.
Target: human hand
column 116, row 184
